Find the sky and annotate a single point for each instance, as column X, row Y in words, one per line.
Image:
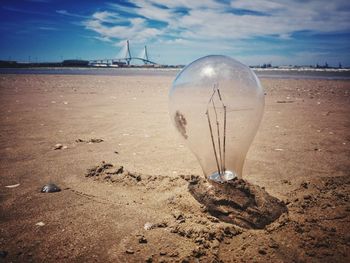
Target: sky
column 284, row 32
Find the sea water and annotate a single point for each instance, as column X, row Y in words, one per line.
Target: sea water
column 331, row 74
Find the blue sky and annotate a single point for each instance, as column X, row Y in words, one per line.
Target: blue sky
column 177, row 32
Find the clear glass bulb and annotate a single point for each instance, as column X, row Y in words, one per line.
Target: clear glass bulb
column 216, row 104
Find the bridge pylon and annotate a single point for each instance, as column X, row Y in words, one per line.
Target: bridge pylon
column 145, row 55
column 128, row 53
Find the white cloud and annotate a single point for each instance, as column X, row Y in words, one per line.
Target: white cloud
column 103, row 39
column 137, row 30
column 191, row 4
column 148, row 10
column 104, row 16
column 216, row 25
column 66, row 13
column 257, row 5
column 109, row 17
column 47, row 28
column 210, row 23
column 210, row 19
column 177, row 41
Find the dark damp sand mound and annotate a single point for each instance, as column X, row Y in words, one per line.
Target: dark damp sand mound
column 300, row 156
column 238, row 202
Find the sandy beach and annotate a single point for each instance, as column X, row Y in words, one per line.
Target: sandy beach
column 301, row 155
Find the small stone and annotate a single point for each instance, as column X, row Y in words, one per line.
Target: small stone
column 206, row 245
column 203, row 209
column 304, row 185
column 285, row 101
column 58, row 146
column 98, row 169
column 244, row 247
column 187, row 177
column 307, row 197
column 161, row 225
column 129, row 251
column 262, row 251
column 198, row 252
column 324, row 206
column 179, row 216
column 174, row 254
column 286, row 182
column 199, row 240
column 40, row 224
column 95, row 140
column 273, row 244
column 142, row 240
column 162, row 253
column 213, row 219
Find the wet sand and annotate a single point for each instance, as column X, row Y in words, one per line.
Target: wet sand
column 300, row 155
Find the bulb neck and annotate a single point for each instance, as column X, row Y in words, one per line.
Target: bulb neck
column 223, row 177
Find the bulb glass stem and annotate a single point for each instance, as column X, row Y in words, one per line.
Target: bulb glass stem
column 219, row 154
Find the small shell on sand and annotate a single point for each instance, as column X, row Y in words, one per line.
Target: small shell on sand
column 50, row 188
column 58, row 146
column 148, row 226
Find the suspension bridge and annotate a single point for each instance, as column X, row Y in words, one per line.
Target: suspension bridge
column 124, row 58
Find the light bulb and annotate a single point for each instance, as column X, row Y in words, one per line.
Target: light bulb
column 216, row 104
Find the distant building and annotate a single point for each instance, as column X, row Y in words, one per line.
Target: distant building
column 8, row 64
column 75, row 63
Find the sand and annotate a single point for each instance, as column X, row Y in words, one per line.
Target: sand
column 301, row 155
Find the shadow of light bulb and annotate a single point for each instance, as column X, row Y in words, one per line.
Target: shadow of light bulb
column 216, row 104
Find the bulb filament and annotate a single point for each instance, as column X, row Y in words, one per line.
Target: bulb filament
column 221, row 151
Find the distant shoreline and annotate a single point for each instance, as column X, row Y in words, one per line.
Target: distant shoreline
column 281, row 73
column 299, row 69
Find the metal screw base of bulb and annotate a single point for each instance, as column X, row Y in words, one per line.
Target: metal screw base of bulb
column 221, row 178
